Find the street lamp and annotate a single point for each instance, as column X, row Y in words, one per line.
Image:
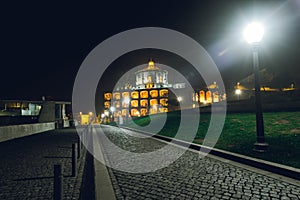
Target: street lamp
column 106, row 114
column 238, row 92
column 179, row 99
column 112, row 109
column 253, row 34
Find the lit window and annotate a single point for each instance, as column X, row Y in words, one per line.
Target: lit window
column 162, row 110
column 202, row 96
column 215, row 97
column 153, row 102
column 197, row 97
column 125, row 95
column 144, row 103
column 106, row 104
column 117, row 114
column 163, row 93
column 124, row 112
column 134, row 103
column 125, row 104
column 135, row 95
column 134, row 112
column 160, row 79
column 144, row 94
column 116, row 95
column 153, row 111
column 144, row 111
column 163, row 102
column 117, row 104
column 107, row 96
column 149, row 85
column 153, row 93
column 208, row 97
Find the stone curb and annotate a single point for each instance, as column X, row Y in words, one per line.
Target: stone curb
column 103, row 186
column 276, row 168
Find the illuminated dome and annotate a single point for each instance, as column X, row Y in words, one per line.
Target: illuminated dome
column 151, row 63
column 151, row 77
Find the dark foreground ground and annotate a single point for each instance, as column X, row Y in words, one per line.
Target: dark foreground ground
column 26, row 167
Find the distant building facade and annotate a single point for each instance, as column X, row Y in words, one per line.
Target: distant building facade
column 152, row 94
column 22, row 111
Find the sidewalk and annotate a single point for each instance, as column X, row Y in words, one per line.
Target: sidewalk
column 192, row 176
column 26, row 165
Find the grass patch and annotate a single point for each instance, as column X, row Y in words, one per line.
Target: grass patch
column 282, row 133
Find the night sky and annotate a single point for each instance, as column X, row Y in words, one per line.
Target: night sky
column 43, row 43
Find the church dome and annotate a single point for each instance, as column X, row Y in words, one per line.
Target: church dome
column 151, row 77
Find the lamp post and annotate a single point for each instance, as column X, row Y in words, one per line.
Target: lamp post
column 238, row 92
column 106, row 113
column 253, row 34
column 112, row 109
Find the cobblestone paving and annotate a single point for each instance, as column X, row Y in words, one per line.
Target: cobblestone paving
column 26, row 168
column 192, row 177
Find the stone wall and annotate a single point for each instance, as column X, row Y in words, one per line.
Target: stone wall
column 17, row 131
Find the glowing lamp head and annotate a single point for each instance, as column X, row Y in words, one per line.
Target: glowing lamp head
column 254, row 32
column 112, row 109
column 238, row 91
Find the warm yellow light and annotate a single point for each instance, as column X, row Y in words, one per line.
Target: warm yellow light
column 238, row 91
column 134, row 103
column 144, row 103
column 144, row 94
column 107, row 96
column 151, row 63
column 116, row 95
column 163, row 93
column 254, row 32
column 154, row 93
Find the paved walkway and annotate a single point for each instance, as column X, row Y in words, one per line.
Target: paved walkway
column 191, row 176
column 26, row 166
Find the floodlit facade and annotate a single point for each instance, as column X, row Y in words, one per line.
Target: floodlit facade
column 151, row 77
column 151, row 95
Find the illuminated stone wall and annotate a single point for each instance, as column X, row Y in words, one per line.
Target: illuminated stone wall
column 137, row 103
column 151, row 95
column 208, row 97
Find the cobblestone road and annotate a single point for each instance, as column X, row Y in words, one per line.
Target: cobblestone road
column 191, row 177
column 26, row 168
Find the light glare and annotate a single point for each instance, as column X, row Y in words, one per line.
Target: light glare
column 254, row 32
column 112, row 109
column 238, row 91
